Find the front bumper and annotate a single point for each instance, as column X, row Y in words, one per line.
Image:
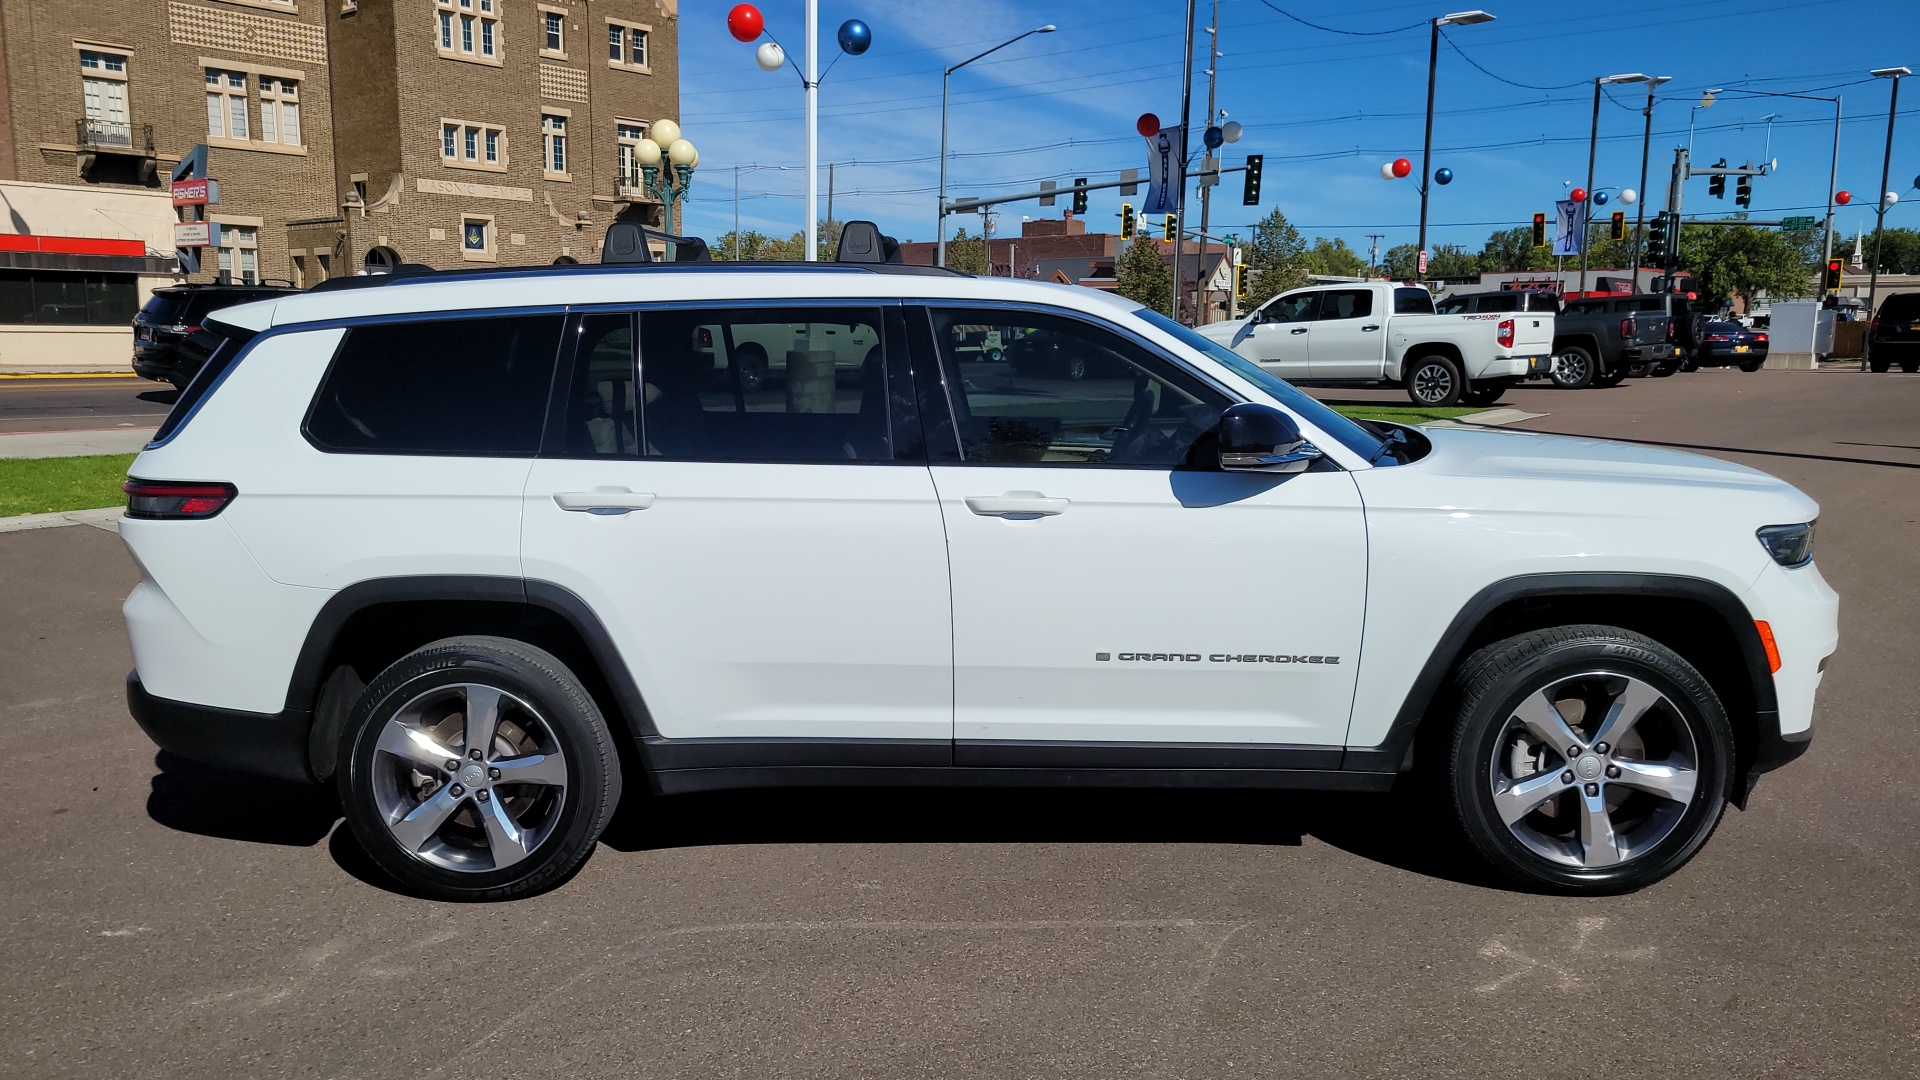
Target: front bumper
column 266, row 744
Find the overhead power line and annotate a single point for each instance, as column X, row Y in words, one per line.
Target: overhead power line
column 1348, row 33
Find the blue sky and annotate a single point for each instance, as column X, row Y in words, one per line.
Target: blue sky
column 1326, row 109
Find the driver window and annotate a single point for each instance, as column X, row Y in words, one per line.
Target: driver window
column 1299, row 307
column 1066, row 392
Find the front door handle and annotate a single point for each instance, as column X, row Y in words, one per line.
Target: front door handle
column 1016, row 504
column 603, row 500
column 1298, row 330
column 1369, row 326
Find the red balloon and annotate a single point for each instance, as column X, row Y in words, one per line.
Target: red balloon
column 1578, row 194
column 745, row 22
column 1148, row 125
column 1843, row 197
column 1401, row 167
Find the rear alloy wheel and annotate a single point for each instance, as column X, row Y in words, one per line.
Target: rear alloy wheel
column 478, row 768
column 750, row 363
column 1572, row 368
column 1434, row 381
column 1587, row 759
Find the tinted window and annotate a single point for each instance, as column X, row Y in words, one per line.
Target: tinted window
column 1299, row 307
column 161, row 308
column 1410, row 302
column 598, row 411
column 766, row 384
column 1352, row 303
column 442, row 386
column 57, row 296
column 1594, row 307
column 1070, row 393
column 1900, row 307
column 222, row 358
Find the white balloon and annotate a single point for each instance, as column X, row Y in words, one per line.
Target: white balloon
column 1386, row 172
column 1629, row 196
column 1892, row 197
column 1231, row 131
column 664, row 132
column 769, row 56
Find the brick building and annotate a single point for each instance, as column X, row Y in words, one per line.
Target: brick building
column 467, row 131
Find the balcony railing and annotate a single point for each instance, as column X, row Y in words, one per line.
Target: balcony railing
column 113, row 135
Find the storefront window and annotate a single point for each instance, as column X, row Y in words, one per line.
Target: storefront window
column 51, row 297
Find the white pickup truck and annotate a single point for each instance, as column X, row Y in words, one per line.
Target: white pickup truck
column 1370, row 332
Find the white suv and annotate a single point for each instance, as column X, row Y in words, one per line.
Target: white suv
column 479, row 547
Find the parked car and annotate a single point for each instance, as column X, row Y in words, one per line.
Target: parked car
column 1728, row 344
column 483, row 553
column 1894, row 334
column 1374, row 332
column 165, row 348
column 1599, row 341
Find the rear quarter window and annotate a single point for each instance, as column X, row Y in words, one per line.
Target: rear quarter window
column 471, row 386
column 1901, row 306
column 1412, row 302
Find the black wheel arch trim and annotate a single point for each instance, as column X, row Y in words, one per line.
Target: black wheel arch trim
column 1773, row 750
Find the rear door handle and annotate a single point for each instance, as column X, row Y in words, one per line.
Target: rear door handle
column 603, row 501
column 1369, row 326
column 1016, row 504
column 1298, row 330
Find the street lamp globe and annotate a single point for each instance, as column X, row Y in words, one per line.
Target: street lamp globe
column 646, row 152
column 681, row 152
column 664, row 132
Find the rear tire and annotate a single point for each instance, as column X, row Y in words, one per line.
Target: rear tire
column 1572, row 368
column 1639, row 731
column 1753, row 365
column 750, row 362
column 1610, row 379
column 477, row 768
column 1487, row 392
column 1910, row 366
column 1877, row 364
column 1434, row 382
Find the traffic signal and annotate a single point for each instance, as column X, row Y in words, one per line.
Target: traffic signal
column 1079, row 195
column 1833, row 275
column 1619, row 229
column 1717, row 183
column 1240, row 280
column 1172, row 229
column 1657, row 239
column 1539, row 230
column 1743, row 192
column 1126, row 221
column 1251, row 195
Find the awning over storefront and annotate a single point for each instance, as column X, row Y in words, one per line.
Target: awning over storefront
column 80, row 253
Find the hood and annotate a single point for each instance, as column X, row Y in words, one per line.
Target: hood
column 1227, row 333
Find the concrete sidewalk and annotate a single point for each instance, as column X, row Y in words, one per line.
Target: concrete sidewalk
column 49, row 444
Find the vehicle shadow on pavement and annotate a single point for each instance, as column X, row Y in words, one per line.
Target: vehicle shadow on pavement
column 1745, row 449
column 159, row 397
column 210, row 801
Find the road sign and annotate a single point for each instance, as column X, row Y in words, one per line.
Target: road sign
column 1797, row 224
column 192, row 234
column 1423, row 262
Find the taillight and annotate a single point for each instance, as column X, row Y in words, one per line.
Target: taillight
column 1760, row 338
column 1505, row 336
column 167, row 500
column 1672, row 332
column 1628, row 331
column 703, row 338
column 1719, row 337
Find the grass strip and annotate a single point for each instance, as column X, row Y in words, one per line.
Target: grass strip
column 1405, row 414
column 53, row 485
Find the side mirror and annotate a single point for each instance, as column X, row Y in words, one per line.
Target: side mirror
column 1261, row 438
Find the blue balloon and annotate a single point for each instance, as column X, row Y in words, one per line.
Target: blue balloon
column 1443, row 177
column 855, row 37
column 1214, row 137
column 1600, row 198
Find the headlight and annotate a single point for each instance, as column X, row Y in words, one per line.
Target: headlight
column 1790, row 545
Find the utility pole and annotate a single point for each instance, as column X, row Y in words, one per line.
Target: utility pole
column 1373, row 250
column 1206, row 189
column 829, row 191
column 1676, row 188
column 1186, row 130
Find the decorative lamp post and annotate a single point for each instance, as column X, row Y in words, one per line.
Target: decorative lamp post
column 747, row 24
column 670, row 183
column 1593, row 146
column 1458, row 18
column 1880, row 212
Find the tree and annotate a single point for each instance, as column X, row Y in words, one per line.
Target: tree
column 1899, row 251
column 1739, row 261
column 967, row 254
column 1402, row 262
column 1273, row 259
column 1143, row 276
column 1333, row 258
column 1512, row 250
column 1452, row 261
column 755, row 247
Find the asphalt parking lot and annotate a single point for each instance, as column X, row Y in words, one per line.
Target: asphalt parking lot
column 162, row 919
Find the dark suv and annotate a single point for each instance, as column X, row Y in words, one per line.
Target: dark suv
column 1894, row 334
column 1599, row 341
column 164, row 344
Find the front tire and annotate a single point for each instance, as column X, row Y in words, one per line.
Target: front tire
column 1572, row 368
column 1434, row 382
column 478, row 768
column 1587, row 759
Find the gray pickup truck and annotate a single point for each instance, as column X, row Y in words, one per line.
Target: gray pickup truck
column 1599, row 341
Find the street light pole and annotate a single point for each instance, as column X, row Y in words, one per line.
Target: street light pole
column 1458, row 18
column 1581, row 210
column 813, row 130
column 1186, row 132
column 1640, row 203
column 946, row 81
column 1880, row 208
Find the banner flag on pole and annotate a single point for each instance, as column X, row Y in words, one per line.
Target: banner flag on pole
column 1166, row 172
column 1570, row 219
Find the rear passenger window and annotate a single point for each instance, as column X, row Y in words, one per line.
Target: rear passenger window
column 1411, row 302
column 475, row 386
column 1351, row 303
column 765, row 384
column 598, row 408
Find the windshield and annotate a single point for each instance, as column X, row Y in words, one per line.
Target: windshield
column 1349, row 434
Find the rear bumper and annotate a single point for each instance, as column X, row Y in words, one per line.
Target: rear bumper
column 266, row 744
column 1648, row 354
column 1514, row 367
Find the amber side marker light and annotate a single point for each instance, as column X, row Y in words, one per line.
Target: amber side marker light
column 1766, row 642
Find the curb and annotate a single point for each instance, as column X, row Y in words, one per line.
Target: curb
column 107, row 518
column 1489, row 418
column 82, row 373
